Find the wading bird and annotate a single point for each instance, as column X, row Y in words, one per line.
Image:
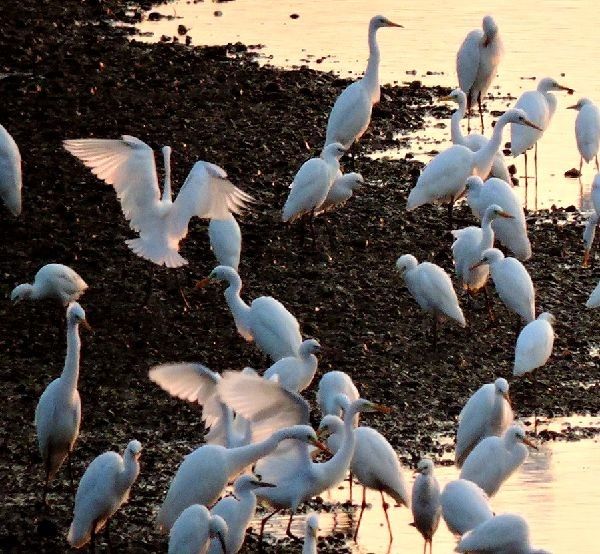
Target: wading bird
column 587, row 131
column 55, row 281
column 11, row 180
column 425, row 503
column 226, row 241
column 464, row 506
column 193, row 530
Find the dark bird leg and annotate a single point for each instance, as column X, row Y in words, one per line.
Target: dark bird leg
column 535, row 165
column 350, row 479
column 488, row 303
column 264, row 522
column 469, row 102
column 597, row 166
column 480, row 112
column 330, row 232
column 450, row 210
column 149, row 285
column 517, row 326
column 535, row 403
column 178, row 277
column 107, row 535
column 581, row 166
column 93, row 538
column 288, row 530
column 362, row 509
column 312, row 227
column 385, row 506
column 70, row 473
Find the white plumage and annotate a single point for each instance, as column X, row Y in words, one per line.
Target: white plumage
column 594, row 299
column 351, row 113
column 534, row 344
column 128, row 164
column 192, row 531
column 587, row 130
column 11, row 180
column 341, row 190
column 495, row 459
column 510, row 232
column 331, row 386
column 52, row 281
column 425, row 502
column 486, row 413
column 103, row 489
column 295, row 373
column 464, row 506
column 226, row 241
column 311, row 534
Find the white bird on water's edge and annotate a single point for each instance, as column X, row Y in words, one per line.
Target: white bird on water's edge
column 128, row 164
column 52, row 281
column 311, row 536
column 194, row 528
column 477, row 60
column 587, row 131
column 226, row 241
column 351, row 113
column 103, row 489
column 11, row 180
column 464, row 506
column 265, row 321
column 425, row 503
column 486, row 413
column 58, row 412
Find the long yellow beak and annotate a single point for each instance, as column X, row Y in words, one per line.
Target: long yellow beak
column 572, row 107
column 383, row 409
column 566, row 89
column 586, row 258
column 392, row 24
column 84, row 323
column 531, row 124
column 203, row 282
column 320, row 446
column 506, row 215
column 447, row 99
column 530, row 443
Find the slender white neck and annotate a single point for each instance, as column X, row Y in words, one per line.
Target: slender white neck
column 131, row 470
column 551, row 101
column 167, row 194
column 246, row 505
column 238, row 307
column 371, row 76
column 243, row 456
column 485, row 156
column 487, row 233
column 310, row 544
column 455, row 130
column 70, row 373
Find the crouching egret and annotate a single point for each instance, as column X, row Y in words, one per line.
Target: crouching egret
column 425, row 503
column 495, row 459
column 594, row 299
column 351, row 113
column 444, row 177
column 486, row 413
column 477, row 60
column 52, row 281
column 311, row 534
column 432, row 288
column 587, row 131
column 501, row 533
column 194, row 528
column 11, row 180
column 226, row 240
column 265, row 321
column 295, row 373
column 58, row 412
column 103, row 489
column 464, row 506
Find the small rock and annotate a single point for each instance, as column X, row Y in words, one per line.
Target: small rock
column 182, row 30
column 294, row 16
column 573, row 173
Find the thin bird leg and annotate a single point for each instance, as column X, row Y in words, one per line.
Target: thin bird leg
column 534, row 403
column 70, row 472
column 350, row 478
column 352, row 152
column 149, row 285
column 93, row 538
column 488, row 303
column 263, row 523
column 330, row 232
column 46, row 483
column 450, row 210
column 597, row 166
column 535, row 165
column 178, row 277
column 107, row 535
column 480, row 112
column 288, row 530
column 431, row 546
column 362, row 509
column 581, row 166
column 469, row 112
column 311, row 221
column 385, row 506
column 425, row 547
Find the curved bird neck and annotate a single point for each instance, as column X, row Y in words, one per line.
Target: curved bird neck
column 130, row 472
column 70, row 373
column 243, row 456
column 487, row 233
column 456, row 133
column 238, row 307
column 485, row 156
column 371, row 76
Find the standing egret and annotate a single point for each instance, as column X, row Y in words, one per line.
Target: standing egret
column 594, row 299
column 473, row 141
column 587, row 131
column 341, row 190
column 495, row 459
column 237, row 511
column 311, row 534
column 331, row 386
column 58, row 412
column 295, row 373
column 590, row 228
column 128, row 164
column 351, row 113
column 203, row 474
column 443, row 178
column 504, row 533
column 513, row 284
column 192, row 531
column 266, row 321
column 11, row 180
column 103, row 489
column 226, row 240
column 52, row 281
column 477, row 60
column 539, row 106
column 374, row 463
column 464, row 506
column 425, row 502
column 432, row 288
column 511, row 232
column 487, row 413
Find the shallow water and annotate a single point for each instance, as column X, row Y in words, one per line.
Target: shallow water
column 556, row 490
column 542, row 38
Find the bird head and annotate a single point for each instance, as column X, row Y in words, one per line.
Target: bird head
column 134, row 448
column 501, row 386
column 496, row 211
column 309, row 346
column 21, row 292
column 219, row 273
column 76, row 316
column 425, row 466
column 405, row 263
column 580, row 103
column 490, row 29
column 547, row 316
column 548, row 84
column 517, row 433
column 457, row 95
column 518, row 116
column 380, row 21
column 248, row 482
column 334, row 149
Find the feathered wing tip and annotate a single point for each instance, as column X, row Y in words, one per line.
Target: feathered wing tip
column 156, row 253
column 77, row 536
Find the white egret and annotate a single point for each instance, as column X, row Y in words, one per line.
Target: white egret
column 487, row 413
column 311, row 534
column 539, row 106
column 196, row 383
column 103, row 489
column 469, row 243
column 432, row 288
column 58, row 412
column 477, row 60
column 331, row 385
column 443, row 178
column 590, row 228
column 341, row 190
column 52, row 281
column 495, row 459
column 473, row 141
column 594, row 299
column 226, row 240
column 295, row 373
column 204, row 473
column 425, row 502
column 587, row 131
column 311, row 184
column 192, row 531
column 511, row 232
column 11, row 180
column 464, row 506
column 351, row 113
column 266, row 321
column 513, row 283
column 298, row 478
column 128, row 164
column 504, row 533
column 374, row 463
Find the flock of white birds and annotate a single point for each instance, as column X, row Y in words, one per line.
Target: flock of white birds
column 259, row 435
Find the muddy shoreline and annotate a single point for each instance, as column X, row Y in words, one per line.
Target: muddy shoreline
column 73, row 74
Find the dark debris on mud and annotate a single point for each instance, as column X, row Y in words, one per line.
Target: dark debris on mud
column 71, row 73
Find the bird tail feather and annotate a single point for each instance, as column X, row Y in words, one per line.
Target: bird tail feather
column 159, row 254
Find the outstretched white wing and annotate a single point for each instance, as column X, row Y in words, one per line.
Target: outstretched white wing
column 207, row 193
column 128, row 165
